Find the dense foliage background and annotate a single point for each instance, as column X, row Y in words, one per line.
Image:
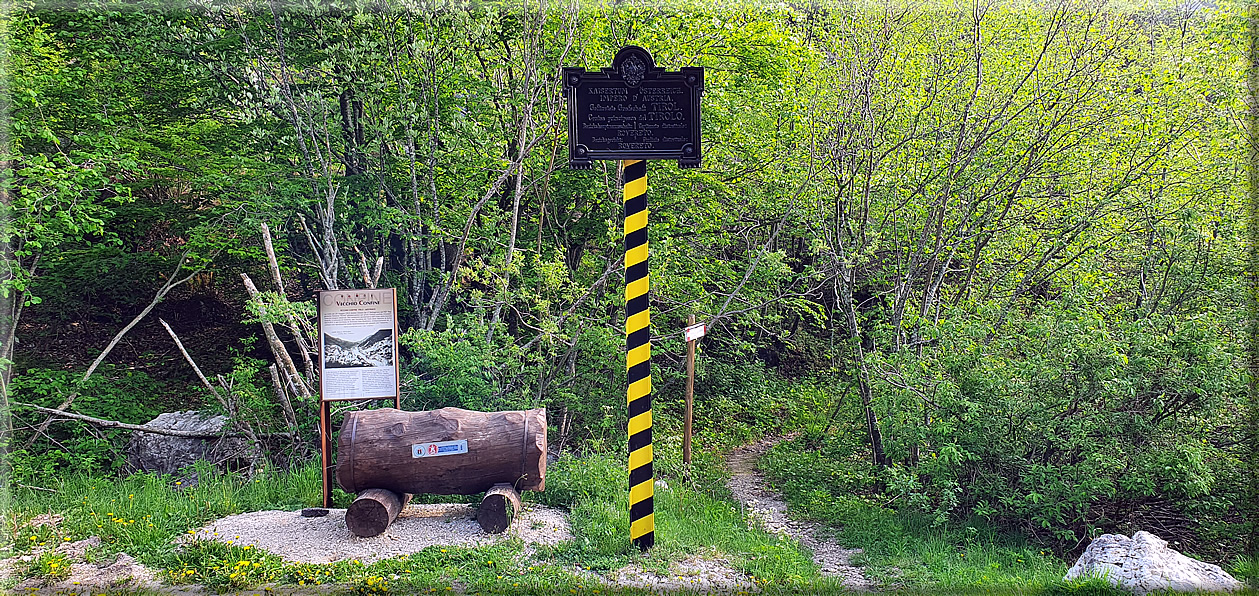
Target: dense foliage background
column 987, row 256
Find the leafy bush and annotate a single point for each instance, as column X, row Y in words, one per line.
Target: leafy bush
column 593, row 399
column 71, row 446
column 252, row 397
column 457, row 367
column 744, row 398
column 1093, row 426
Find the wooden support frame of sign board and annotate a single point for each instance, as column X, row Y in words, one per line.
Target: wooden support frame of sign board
column 358, row 357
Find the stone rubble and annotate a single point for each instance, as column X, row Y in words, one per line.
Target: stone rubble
column 123, row 573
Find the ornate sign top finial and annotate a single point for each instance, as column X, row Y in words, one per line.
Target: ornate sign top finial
column 633, row 64
column 632, row 70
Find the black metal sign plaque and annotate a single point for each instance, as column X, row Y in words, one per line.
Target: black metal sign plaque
column 633, row 110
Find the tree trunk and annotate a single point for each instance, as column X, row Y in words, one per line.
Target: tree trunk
column 844, row 299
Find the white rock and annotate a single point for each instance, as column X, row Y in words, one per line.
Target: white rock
column 1143, row 564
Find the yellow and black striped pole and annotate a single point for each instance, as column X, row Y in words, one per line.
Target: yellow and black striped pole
column 638, row 354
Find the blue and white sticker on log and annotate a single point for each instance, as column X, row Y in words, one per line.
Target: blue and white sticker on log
column 440, row 448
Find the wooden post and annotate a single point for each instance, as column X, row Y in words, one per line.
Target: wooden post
column 373, row 511
column 325, row 448
column 690, row 394
column 638, row 355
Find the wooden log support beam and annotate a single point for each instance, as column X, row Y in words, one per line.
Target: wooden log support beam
column 373, row 511
column 500, row 506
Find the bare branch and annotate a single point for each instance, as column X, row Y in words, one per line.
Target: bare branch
column 277, row 347
column 285, row 404
column 272, row 264
column 195, row 368
column 171, row 281
column 189, row 434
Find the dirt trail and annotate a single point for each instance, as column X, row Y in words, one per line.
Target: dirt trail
column 766, row 509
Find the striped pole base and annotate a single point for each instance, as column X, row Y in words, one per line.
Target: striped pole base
column 638, row 354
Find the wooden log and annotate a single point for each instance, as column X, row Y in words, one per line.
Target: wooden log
column 447, row 452
column 373, row 511
column 499, row 507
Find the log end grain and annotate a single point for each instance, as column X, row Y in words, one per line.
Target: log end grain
column 500, row 506
column 372, row 512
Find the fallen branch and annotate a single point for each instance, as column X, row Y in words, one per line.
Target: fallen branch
column 272, row 264
column 188, row 434
column 195, row 368
column 171, row 281
column 290, row 417
column 277, row 347
column 299, row 328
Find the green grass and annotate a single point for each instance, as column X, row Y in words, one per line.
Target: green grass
column 690, row 520
column 143, row 514
column 905, row 551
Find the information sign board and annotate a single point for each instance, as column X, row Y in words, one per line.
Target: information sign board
column 633, row 110
column 358, row 347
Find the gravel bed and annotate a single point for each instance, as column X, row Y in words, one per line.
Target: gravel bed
column 693, row 574
column 298, row 539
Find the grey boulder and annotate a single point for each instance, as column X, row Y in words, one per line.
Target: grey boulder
column 149, row 452
column 1143, row 564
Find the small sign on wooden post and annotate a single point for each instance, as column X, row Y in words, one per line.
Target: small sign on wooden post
column 693, row 333
column 358, row 357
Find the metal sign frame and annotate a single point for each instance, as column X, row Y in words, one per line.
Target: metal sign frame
column 629, row 112
column 389, row 295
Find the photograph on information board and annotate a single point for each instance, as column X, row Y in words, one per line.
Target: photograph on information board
column 357, row 331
